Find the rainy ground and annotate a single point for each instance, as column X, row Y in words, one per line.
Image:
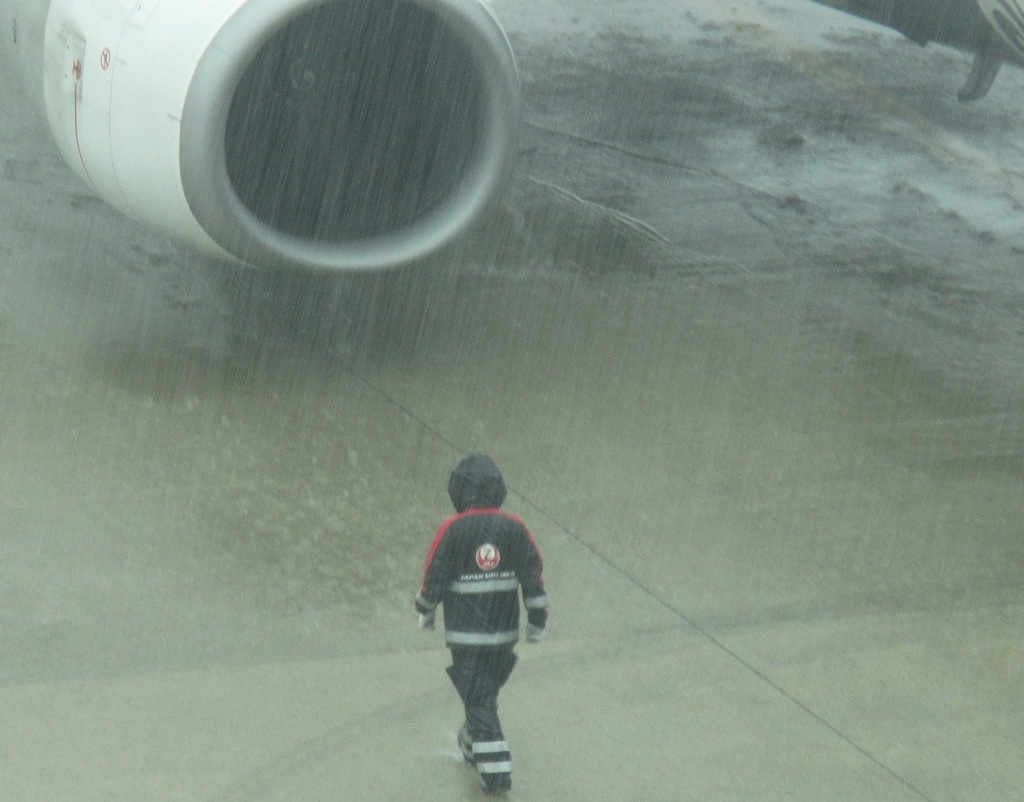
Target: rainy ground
column 746, row 341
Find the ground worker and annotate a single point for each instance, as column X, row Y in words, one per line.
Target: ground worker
column 479, row 560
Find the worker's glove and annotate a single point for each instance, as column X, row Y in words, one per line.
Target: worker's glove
column 534, row 633
column 427, row 620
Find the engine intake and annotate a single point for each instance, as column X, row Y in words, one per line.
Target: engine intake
column 348, row 134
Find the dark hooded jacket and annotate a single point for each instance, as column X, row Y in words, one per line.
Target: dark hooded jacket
column 479, row 560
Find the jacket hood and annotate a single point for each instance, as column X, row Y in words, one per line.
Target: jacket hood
column 476, row 483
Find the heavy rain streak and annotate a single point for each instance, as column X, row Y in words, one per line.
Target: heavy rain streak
column 744, row 335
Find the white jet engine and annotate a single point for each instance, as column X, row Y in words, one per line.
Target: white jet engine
column 326, row 134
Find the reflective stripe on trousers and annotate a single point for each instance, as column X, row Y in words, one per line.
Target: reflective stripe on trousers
column 492, row 757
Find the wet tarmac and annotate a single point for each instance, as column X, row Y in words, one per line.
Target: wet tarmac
column 746, row 342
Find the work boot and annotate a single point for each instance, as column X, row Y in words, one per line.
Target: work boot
column 495, row 784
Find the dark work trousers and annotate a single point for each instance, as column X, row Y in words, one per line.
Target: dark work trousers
column 478, row 673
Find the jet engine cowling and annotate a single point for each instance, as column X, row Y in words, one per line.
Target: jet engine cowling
column 328, row 134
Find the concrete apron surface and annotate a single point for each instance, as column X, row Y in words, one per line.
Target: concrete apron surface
column 773, row 461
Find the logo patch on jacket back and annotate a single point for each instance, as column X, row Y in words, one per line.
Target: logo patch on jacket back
column 488, row 557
